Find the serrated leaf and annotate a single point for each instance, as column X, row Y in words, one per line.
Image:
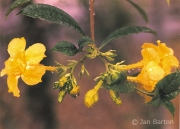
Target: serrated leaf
column 169, row 105
column 84, row 41
column 169, row 83
column 51, row 13
column 16, row 4
column 171, row 95
column 139, row 9
column 66, row 48
column 126, row 31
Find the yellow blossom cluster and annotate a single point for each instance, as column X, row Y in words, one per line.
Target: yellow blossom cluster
column 24, row 64
column 157, row 62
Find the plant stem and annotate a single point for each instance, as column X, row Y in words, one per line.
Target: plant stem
column 144, row 92
column 91, row 9
column 80, row 61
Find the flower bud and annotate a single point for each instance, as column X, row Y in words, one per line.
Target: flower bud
column 91, row 97
column 115, row 97
column 75, row 90
column 62, row 81
column 61, row 95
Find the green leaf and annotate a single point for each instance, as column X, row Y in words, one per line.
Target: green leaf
column 51, row 13
column 84, row 41
column 171, row 95
column 163, row 99
column 16, row 4
column 139, row 9
column 169, row 83
column 115, row 77
column 120, row 84
column 155, row 93
column 155, row 102
column 66, row 48
column 126, row 31
column 169, row 105
column 123, row 87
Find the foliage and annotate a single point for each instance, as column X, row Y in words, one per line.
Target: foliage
column 157, row 61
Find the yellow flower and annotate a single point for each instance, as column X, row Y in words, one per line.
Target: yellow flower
column 157, row 62
column 161, row 54
column 150, row 75
column 24, row 64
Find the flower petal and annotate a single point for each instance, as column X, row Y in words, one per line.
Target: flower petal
column 169, row 62
column 150, row 75
column 12, row 85
column 155, row 72
column 35, row 53
column 150, row 54
column 149, row 45
column 14, row 66
column 16, row 45
column 163, row 50
column 33, row 74
column 3, row 72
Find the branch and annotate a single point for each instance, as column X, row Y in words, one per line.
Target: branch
column 91, row 9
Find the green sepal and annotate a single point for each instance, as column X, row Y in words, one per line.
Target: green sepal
column 56, row 85
column 51, row 13
column 115, row 77
column 71, row 63
column 16, row 4
column 84, row 41
column 126, row 31
column 66, row 48
column 139, row 9
column 83, row 71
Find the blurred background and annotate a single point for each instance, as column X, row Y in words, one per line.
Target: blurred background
column 37, row 107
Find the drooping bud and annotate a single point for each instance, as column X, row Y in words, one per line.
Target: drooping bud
column 115, row 97
column 91, row 98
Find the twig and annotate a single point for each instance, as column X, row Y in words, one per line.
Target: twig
column 91, row 9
